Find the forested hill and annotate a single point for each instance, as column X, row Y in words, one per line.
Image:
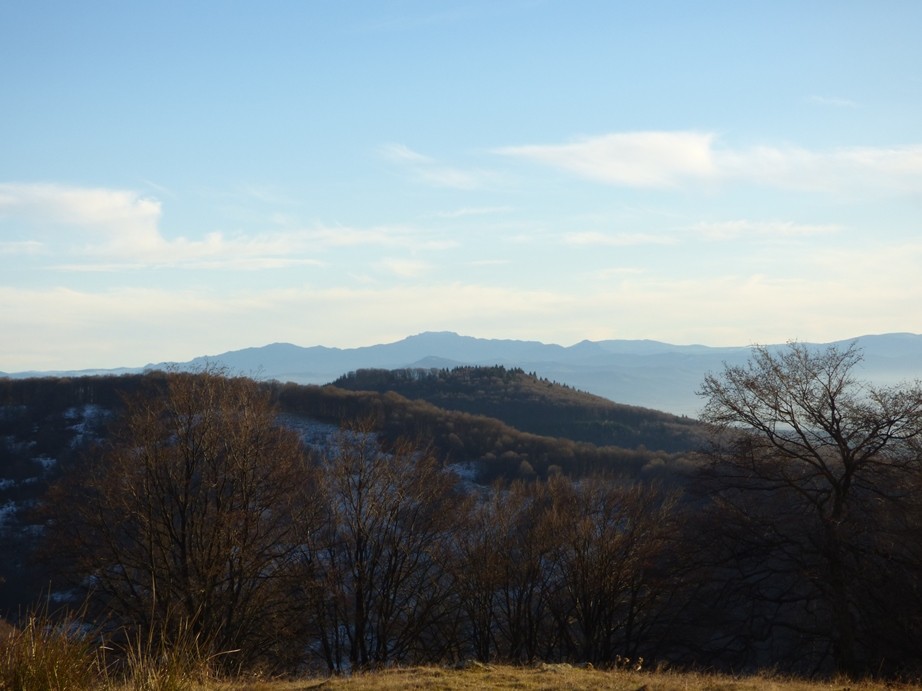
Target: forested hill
column 533, row 404
column 48, row 424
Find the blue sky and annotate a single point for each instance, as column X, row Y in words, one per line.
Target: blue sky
column 180, row 179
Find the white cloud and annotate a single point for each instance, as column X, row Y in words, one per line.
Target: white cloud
column 93, row 229
column 633, row 159
column 121, row 217
column 670, row 159
column 849, row 170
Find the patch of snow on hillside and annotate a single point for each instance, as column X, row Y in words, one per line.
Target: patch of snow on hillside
column 317, row 435
column 15, row 446
column 84, row 421
column 46, row 462
column 6, row 512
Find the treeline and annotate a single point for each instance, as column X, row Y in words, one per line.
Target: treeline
column 794, row 542
column 534, row 405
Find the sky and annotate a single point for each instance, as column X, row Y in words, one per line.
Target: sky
column 187, row 178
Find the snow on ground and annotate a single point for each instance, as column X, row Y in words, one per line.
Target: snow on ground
column 7, row 511
column 319, row 436
column 46, row 462
column 85, row 420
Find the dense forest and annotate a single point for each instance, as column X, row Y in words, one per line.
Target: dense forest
column 436, row 515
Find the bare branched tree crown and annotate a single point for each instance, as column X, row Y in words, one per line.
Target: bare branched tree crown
column 189, row 519
column 818, row 463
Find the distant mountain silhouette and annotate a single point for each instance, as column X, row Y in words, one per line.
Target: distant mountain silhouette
column 644, row 373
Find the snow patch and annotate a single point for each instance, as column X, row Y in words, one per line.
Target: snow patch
column 84, row 421
column 317, row 435
column 46, row 462
column 7, row 511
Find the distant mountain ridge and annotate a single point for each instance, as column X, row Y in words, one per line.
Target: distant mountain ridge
column 645, row 373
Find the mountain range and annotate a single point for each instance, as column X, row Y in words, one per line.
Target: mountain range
column 645, row 373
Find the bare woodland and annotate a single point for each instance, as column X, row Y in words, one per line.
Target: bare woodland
column 794, row 543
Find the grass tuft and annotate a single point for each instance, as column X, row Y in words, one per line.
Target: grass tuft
column 43, row 655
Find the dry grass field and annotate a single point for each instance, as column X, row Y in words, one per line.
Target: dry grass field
column 552, row 678
column 44, row 657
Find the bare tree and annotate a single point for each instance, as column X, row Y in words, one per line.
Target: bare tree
column 610, row 540
column 527, row 540
column 191, row 517
column 476, row 559
column 808, row 464
column 390, row 515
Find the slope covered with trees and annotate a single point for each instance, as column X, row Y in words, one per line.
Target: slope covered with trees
column 534, row 405
column 196, row 506
column 49, row 424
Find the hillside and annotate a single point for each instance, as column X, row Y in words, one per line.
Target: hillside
column 479, row 418
column 532, row 404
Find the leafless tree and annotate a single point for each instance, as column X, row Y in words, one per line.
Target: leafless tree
column 191, row 517
column 810, row 470
column 610, row 540
column 390, row 515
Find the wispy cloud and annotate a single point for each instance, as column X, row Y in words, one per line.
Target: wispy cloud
column 671, row 159
column 405, row 268
column 633, row 159
column 832, row 101
column 847, row 170
column 97, row 229
column 400, row 153
column 428, row 171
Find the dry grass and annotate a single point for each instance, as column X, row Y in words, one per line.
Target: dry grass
column 550, row 678
column 45, row 657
